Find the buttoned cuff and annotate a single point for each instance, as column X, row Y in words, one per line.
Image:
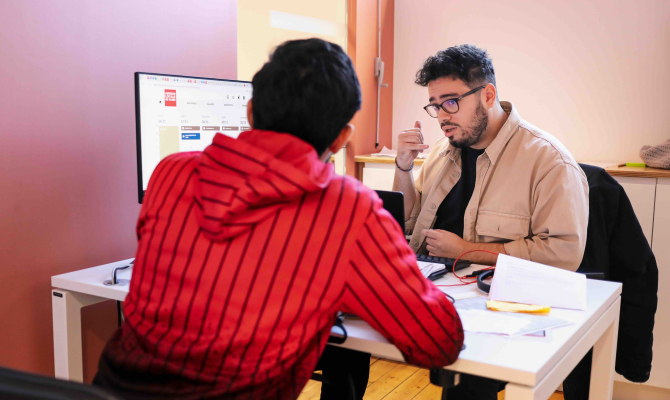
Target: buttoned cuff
column 518, row 249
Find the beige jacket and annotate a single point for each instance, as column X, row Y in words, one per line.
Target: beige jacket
column 530, row 194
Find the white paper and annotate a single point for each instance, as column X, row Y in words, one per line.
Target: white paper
column 385, row 152
column 490, row 322
column 523, row 281
column 535, row 322
column 428, row 268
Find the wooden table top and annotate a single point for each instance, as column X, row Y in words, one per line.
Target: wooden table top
column 638, row 172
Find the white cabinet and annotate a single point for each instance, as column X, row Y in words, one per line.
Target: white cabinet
column 650, row 198
column 379, row 176
column 641, row 192
column 660, row 371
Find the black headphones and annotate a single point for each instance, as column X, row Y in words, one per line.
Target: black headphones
column 483, row 286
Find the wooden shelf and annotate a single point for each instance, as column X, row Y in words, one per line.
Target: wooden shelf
column 382, row 160
column 638, row 172
column 614, row 170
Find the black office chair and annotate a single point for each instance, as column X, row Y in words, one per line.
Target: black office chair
column 617, row 250
column 17, row 385
column 615, row 243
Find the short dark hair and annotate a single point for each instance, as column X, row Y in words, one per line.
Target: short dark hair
column 466, row 62
column 308, row 89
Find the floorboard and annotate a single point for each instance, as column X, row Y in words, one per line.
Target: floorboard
column 391, row 380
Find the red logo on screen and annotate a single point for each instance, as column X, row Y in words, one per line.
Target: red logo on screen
column 170, row 98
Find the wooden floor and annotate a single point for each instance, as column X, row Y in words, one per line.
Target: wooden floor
column 392, row 380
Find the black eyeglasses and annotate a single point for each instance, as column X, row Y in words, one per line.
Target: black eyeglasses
column 450, row 105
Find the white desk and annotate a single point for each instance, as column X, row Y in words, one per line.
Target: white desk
column 71, row 292
column 534, row 367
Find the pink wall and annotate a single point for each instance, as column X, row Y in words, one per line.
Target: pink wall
column 592, row 73
column 68, row 183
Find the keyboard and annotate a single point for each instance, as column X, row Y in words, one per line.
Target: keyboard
column 448, row 264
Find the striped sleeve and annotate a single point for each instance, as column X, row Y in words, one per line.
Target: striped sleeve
column 385, row 287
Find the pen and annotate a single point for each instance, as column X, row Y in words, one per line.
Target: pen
column 643, row 165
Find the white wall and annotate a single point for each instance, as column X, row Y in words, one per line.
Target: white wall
column 592, row 73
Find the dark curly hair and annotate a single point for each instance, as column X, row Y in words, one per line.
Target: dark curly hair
column 308, row 89
column 466, row 62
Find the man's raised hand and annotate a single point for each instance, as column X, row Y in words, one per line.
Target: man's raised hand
column 410, row 144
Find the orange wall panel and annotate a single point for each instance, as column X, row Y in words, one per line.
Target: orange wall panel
column 363, row 20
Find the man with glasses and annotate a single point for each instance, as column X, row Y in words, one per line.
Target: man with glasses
column 494, row 182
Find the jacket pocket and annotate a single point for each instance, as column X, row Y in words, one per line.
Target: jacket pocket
column 501, row 225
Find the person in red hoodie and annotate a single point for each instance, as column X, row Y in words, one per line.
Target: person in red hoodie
column 248, row 250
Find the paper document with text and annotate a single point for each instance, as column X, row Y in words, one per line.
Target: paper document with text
column 522, row 281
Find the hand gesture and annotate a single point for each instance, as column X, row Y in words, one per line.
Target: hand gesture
column 410, row 144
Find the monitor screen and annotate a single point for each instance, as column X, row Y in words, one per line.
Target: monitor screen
column 183, row 113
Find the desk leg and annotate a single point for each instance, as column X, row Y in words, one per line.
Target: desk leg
column 66, row 308
column 602, row 336
column 604, row 358
column 518, row 392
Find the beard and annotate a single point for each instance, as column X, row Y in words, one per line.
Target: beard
column 477, row 127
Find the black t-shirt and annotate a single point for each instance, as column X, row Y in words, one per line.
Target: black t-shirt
column 451, row 212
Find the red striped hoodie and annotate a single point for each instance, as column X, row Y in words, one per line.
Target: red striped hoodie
column 247, row 251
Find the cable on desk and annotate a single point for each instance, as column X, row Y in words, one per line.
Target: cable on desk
column 114, row 282
column 119, row 314
column 472, row 275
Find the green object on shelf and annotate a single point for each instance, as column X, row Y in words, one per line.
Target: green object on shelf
column 636, row 164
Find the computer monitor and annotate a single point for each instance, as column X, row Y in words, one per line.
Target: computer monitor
column 176, row 113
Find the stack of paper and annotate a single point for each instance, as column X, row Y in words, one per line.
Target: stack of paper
column 476, row 318
column 490, row 322
column 522, row 281
column 385, row 152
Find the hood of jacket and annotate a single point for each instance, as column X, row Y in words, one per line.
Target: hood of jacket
column 246, row 180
